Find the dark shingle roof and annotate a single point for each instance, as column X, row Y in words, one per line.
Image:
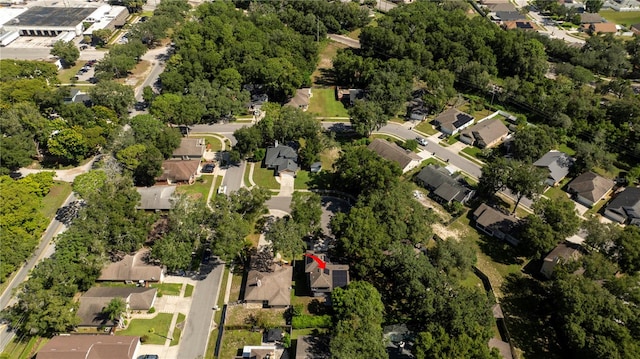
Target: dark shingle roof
column 627, row 201
column 392, row 152
column 591, row 186
column 281, row 158
column 558, row 164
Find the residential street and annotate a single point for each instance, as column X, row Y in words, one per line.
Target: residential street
column 45, row 249
column 193, row 343
column 345, row 40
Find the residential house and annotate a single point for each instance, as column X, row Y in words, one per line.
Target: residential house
column 156, row 198
column 453, row 121
column 256, row 102
column 589, row 188
column 176, row 171
column 444, row 186
column 520, row 25
column 625, row 207
column 77, row 96
column 269, row 289
column 132, row 269
column 562, row 253
column 190, row 149
column 301, row 99
column 324, row 280
column 485, row 134
column 282, row 159
column 96, row 299
column 590, row 18
column 603, row 28
column 312, row 347
column 260, row 352
column 416, row 108
column 502, row 7
column 496, row 223
column 407, row 160
column 90, row 347
column 273, row 335
column 509, row 16
column 635, row 28
column 557, row 164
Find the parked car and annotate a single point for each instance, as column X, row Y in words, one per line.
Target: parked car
column 208, row 168
column 148, row 356
column 422, row 141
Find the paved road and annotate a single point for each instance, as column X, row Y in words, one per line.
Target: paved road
column 345, row 40
column 195, row 335
column 45, row 249
column 280, row 203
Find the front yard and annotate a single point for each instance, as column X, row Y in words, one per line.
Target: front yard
column 198, row 190
column 264, row 177
column 168, row 288
column 155, row 329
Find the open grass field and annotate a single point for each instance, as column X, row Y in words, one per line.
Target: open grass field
column 323, row 103
column 302, row 180
column 264, row 178
column 168, row 288
column 55, row 198
column 65, row 75
column 627, row 18
column 156, row 329
column 328, row 51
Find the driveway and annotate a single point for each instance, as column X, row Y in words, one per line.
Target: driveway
column 287, row 182
column 233, row 177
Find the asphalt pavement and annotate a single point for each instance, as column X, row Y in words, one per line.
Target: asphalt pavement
column 195, row 335
column 233, row 177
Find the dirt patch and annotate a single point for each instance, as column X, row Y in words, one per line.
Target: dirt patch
column 239, row 315
column 444, row 232
column 326, row 62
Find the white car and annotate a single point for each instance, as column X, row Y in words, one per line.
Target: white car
column 422, row 141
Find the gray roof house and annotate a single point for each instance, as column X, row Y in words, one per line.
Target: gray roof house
column 453, row 121
column 590, row 18
column 323, row 281
column 281, row 159
column 190, row 149
column 563, row 252
column 156, row 198
column 96, row 299
column 485, row 134
column 589, row 188
column 407, row 160
column 77, row 96
column 444, row 187
column 496, row 224
column 625, row 207
column 132, row 268
column 557, row 163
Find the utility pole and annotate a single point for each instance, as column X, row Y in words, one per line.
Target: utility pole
column 317, row 29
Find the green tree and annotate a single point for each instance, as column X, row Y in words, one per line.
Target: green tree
column 628, row 249
column 494, row 178
column 593, row 6
column 101, row 36
column 358, row 314
column 250, row 203
column 249, row 140
column 306, row 210
column 115, row 309
column 453, row 257
column 360, row 170
column 68, row 144
column 537, row 238
column 114, row 66
column 89, row 182
column 532, row 142
column 561, row 215
column 285, row 235
column 148, row 95
column 66, row 51
column 525, row 180
column 366, row 117
column 112, row 95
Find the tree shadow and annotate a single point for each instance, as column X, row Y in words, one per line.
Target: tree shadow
column 322, row 180
column 327, row 78
column 499, row 251
column 301, row 286
column 528, row 313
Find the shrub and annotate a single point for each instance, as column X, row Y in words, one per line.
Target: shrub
column 144, row 338
column 151, row 310
column 152, row 330
column 311, row 321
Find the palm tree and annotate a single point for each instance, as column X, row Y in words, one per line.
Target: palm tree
column 115, row 309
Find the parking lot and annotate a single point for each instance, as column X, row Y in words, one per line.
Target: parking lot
column 87, row 72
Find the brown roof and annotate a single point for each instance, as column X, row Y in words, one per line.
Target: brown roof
column 564, row 250
column 131, row 268
column 487, row 131
column 272, row 287
column 502, row 7
column 452, row 119
column 591, row 186
column 95, row 299
column 89, row 347
column 604, row 27
column 179, row 171
column 392, row 152
column 301, row 99
column 519, row 24
column 190, row 147
column 490, row 217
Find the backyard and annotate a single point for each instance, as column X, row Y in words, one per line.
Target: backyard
column 323, row 103
column 155, row 329
column 65, row 75
column 627, row 18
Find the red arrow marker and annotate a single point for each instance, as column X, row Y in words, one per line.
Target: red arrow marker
column 321, row 264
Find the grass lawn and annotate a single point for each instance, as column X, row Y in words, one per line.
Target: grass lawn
column 65, row 75
column 397, row 120
column 245, row 175
column 198, row 190
column 453, row 139
column 384, row 137
column 322, row 75
column 23, row 349
column 234, row 340
column 188, row 292
column 168, row 288
column 236, row 283
column 566, row 149
column 215, row 142
column 160, row 325
column 264, row 178
column 177, row 331
column 323, row 103
column 302, row 180
column 55, row 198
column 627, row 18
column 238, row 315
column 473, row 151
column 427, row 128
column 556, row 193
column 328, row 157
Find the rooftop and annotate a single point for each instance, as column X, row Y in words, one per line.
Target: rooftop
column 54, row 16
column 488, row 131
column 558, row 164
column 176, row 170
column 156, row 197
column 591, row 186
column 132, row 268
column 453, row 118
column 96, row 299
column 271, row 287
column 89, row 347
column 392, row 152
column 190, row 147
column 629, row 198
